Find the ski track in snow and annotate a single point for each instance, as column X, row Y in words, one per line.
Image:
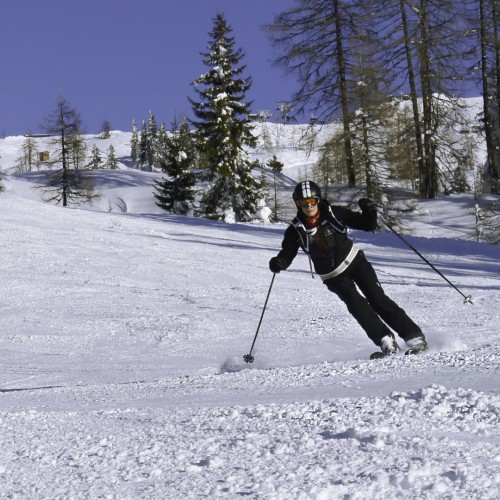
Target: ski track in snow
column 122, row 376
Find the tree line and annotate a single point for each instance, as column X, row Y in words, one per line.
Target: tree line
column 207, row 166
column 213, row 154
column 355, row 60
column 67, row 164
column 388, row 72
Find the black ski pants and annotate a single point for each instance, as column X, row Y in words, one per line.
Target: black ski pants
column 375, row 310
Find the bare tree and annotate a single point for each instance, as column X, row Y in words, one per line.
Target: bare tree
column 401, row 153
column 106, row 130
column 29, row 156
column 314, row 39
column 487, row 14
column 331, row 166
column 372, row 111
column 426, row 45
column 68, row 184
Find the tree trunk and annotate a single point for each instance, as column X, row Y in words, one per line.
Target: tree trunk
column 428, row 182
column 495, row 166
column 346, row 118
column 413, row 92
column 488, row 130
column 65, row 169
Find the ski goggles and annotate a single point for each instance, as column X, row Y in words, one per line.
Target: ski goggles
column 307, row 201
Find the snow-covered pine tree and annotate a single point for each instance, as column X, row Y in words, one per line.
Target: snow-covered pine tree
column 134, row 143
column 152, row 140
column 96, row 160
column 176, row 157
column 162, row 138
column 223, row 131
column 143, row 144
column 111, row 161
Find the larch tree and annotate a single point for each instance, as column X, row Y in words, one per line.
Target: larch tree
column 372, row 111
column 314, row 39
column 487, row 14
column 106, row 130
column 69, row 184
column 29, row 155
column 426, row 46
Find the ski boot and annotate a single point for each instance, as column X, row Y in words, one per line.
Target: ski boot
column 416, row 345
column 388, row 346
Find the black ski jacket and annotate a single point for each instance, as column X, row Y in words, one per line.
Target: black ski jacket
column 333, row 224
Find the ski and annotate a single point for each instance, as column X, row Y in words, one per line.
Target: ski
column 415, row 350
column 409, row 352
column 378, row 355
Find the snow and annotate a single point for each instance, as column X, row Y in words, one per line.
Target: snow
column 122, row 335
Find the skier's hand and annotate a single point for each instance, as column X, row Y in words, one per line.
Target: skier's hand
column 367, row 206
column 275, row 265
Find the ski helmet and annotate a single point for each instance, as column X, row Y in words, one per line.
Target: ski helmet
column 306, row 189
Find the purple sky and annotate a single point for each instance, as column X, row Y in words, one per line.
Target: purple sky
column 117, row 59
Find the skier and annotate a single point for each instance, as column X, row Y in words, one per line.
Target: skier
column 320, row 229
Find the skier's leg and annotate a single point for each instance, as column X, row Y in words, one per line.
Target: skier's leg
column 359, row 307
column 365, row 277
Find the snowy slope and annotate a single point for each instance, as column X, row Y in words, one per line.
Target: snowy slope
column 121, row 341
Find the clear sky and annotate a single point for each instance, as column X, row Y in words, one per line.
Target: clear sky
column 116, row 60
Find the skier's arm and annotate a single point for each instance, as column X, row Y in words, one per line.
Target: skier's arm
column 289, row 248
column 364, row 221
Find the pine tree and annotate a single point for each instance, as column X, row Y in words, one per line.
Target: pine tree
column 176, row 157
column 134, row 143
column 96, row 160
column 143, row 145
column 162, row 139
column 111, row 161
column 151, row 140
column 223, row 131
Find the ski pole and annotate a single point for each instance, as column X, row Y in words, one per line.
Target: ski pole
column 248, row 358
column 467, row 298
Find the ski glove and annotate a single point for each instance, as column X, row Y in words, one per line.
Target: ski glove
column 367, row 206
column 275, row 265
